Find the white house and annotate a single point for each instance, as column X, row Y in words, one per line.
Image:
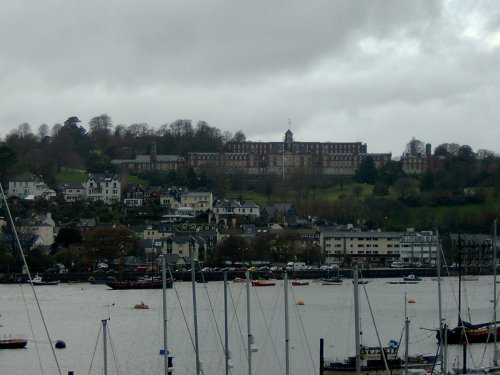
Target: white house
column 186, row 201
column 43, row 230
column 29, row 185
column 230, row 208
column 103, row 187
column 74, row 192
column 248, row 209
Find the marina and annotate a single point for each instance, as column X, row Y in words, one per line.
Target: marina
column 74, row 312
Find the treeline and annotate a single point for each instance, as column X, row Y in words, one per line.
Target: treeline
column 70, row 145
column 381, row 198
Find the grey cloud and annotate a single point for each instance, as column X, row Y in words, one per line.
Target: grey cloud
column 343, row 70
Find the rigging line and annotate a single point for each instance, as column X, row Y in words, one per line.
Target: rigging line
column 95, row 349
column 268, row 329
column 113, row 351
column 376, row 331
column 213, row 314
column 273, row 317
column 29, row 275
column 303, row 329
column 235, row 317
column 401, row 338
column 182, row 309
column 212, row 311
column 32, row 330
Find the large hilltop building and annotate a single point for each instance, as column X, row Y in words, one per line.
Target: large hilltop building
column 284, row 158
column 262, row 158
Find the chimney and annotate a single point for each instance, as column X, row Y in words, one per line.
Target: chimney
column 428, row 149
column 152, row 155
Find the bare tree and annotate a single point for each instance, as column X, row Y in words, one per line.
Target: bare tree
column 43, row 131
column 55, row 130
column 239, row 136
column 415, row 147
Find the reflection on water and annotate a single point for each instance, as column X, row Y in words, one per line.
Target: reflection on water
column 74, row 312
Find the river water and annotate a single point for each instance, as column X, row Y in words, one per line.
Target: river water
column 73, row 313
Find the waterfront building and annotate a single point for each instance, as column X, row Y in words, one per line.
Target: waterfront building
column 367, row 248
column 418, row 248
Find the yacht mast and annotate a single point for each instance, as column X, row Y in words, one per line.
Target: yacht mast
column 442, row 332
column 495, row 349
column 167, row 358
column 195, row 313
column 356, row 319
column 105, row 344
column 249, row 326
column 287, row 334
column 226, row 328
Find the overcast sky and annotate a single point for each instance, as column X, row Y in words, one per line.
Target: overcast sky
column 380, row 72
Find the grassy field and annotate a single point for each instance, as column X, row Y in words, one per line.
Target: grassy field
column 70, row 176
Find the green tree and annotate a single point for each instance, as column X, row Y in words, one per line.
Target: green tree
column 111, row 243
column 7, row 159
column 232, row 249
column 67, row 236
column 390, row 172
column 366, row 172
column 427, row 181
column 38, row 260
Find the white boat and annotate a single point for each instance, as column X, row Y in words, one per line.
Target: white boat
column 38, row 280
column 470, row 278
column 410, row 279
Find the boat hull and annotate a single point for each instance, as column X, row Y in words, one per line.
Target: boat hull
column 126, row 285
column 262, row 283
column 457, row 335
column 13, row 343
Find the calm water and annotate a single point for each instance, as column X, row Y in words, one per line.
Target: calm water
column 73, row 313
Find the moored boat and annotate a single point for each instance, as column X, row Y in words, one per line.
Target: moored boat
column 141, row 306
column 300, row 282
column 38, row 280
column 263, row 283
column 410, row 279
column 471, row 333
column 138, row 284
column 10, row 342
column 371, row 360
column 331, row 281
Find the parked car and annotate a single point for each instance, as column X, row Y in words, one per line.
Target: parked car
column 399, row 264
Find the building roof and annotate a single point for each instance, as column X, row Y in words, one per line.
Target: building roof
column 27, row 177
column 73, row 185
column 102, row 177
column 356, row 234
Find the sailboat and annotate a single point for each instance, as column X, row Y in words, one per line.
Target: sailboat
column 370, row 360
column 466, row 331
column 332, row 280
column 12, row 342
